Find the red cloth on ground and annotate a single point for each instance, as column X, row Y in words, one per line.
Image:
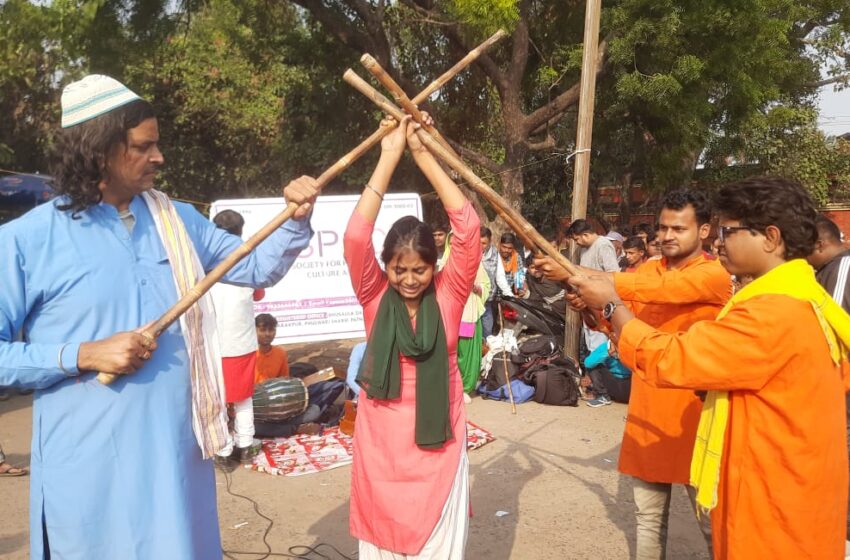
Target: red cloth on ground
column 238, row 374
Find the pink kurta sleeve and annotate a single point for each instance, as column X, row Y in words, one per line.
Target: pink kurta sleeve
column 367, row 278
column 459, row 272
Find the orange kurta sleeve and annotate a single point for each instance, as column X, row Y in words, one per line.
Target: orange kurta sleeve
column 708, row 283
column 703, row 356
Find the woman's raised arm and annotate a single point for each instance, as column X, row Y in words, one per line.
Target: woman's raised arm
column 392, row 148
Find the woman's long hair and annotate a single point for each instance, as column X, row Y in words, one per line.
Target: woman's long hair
column 412, row 234
column 80, row 152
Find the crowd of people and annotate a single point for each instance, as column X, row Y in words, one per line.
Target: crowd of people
column 731, row 354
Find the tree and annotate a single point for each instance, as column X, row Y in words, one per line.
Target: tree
column 673, row 73
column 784, row 141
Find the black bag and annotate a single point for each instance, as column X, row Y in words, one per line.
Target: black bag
column 555, row 383
column 537, row 348
column 300, row 370
column 497, row 376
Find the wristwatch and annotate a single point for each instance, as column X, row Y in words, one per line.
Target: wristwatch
column 608, row 310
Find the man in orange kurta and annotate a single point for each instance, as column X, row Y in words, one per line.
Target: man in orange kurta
column 672, row 293
column 783, row 472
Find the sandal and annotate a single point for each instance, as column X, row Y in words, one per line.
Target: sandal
column 8, row 470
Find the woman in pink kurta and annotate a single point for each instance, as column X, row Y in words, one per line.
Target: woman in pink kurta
column 405, row 499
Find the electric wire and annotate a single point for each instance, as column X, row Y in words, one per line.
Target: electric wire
column 299, row 552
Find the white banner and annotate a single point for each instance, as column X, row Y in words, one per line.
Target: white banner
column 315, row 300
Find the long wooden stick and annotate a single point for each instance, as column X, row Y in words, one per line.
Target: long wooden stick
column 372, row 65
column 409, row 107
column 505, row 358
column 193, row 295
column 514, row 219
column 530, row 236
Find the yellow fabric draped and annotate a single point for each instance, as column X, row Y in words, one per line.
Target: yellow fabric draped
column 795, row 279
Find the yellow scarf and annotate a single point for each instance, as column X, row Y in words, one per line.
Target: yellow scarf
column 795, row 279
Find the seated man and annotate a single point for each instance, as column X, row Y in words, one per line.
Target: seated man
column 353, row 367
column 612, row 381
column 8, row 470
column 271, row 364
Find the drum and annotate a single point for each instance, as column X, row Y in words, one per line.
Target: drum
column 279, row 399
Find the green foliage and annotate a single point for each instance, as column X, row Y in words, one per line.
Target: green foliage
column 786, row 141
column 249, row 91
column 486, row 16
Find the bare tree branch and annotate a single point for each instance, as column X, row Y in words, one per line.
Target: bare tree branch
column 476, row 157
column 565, row 100
column 487, row 65
column 843, row 78
column 340, row 27
column 546, row 144
column 519, row 48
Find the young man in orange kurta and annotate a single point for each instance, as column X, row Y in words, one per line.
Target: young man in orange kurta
column 782, row 486
column 672, row 293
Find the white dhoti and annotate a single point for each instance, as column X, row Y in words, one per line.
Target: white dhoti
column 448, row 540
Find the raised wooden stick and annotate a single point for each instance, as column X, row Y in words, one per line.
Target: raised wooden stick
column 409, row 107
column 514, row 219
column 193, row 295
column 374, row 67
column 461, row 64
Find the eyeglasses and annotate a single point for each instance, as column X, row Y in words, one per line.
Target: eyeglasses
column 724, row 231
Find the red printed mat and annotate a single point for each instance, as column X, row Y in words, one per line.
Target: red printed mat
column 302, row 454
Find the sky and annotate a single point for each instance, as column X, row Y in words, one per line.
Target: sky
column 834, row 118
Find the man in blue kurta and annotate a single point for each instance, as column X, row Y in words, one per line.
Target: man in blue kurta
column 117, row 471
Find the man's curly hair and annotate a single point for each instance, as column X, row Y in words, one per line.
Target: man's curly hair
column 80, row 152
column 759, row 202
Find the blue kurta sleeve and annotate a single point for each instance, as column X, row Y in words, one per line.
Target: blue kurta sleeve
column 264, row 266
column 23, row 364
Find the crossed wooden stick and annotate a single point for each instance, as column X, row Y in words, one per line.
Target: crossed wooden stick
column 203, row 286
column 429, row 136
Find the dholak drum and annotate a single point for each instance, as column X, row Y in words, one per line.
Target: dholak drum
column 279, row 399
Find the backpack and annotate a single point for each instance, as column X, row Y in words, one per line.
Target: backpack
column 536, row 348
column 555, row 383
column 521, row 392
column 497, row 377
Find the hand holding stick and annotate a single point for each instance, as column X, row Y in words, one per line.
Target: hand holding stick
column 520, row 225
column 193, row 295
column 529, row 235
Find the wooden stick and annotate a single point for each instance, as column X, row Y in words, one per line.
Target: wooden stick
column 461, row 64
column 372, row 65
column 193, row 295
column 505, row 359
column 514, row 219
column 530, row 236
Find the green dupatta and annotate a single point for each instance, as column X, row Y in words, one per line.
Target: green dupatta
column 380, row 370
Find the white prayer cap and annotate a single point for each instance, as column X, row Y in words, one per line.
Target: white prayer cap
column 91, row 97
column 614, row 236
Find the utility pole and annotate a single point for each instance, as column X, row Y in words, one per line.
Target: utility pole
column 583, row 142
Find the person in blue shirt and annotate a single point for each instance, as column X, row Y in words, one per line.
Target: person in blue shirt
column 354, row 366
column 612, row 380
column 116, row 470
